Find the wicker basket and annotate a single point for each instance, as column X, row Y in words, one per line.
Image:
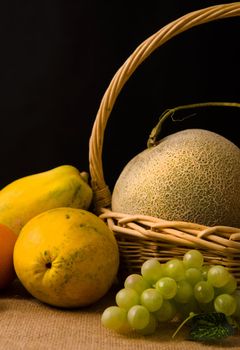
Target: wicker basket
column 141, row 237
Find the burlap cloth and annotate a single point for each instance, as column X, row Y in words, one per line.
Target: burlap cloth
column 26, row 323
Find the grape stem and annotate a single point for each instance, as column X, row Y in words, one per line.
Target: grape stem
column 152, row 140
column 191, row 315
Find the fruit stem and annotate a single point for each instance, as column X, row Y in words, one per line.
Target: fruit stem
column 152, row 140
column 191, row 315
column 84, row 176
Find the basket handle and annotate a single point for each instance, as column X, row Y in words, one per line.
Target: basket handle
column 101, row 192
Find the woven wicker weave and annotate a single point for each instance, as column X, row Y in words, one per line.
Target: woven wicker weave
column 141, row 237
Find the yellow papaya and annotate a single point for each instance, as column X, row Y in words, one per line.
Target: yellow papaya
column 26, row 197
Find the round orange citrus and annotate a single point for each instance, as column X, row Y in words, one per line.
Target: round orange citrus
column 7, row 242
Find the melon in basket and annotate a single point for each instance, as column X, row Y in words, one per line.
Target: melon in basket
column 192, row 175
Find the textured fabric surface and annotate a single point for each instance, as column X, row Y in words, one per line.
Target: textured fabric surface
column 27, row 324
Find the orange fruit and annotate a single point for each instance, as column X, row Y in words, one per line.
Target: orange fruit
column 7, row 242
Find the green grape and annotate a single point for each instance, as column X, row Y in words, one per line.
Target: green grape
column 203, row 292
column 218, row 276
column 174, row 268
column 114, row 318
column 166, row 312
column 204, row 271
column 167, row 287
column 193, row 258
column 184, row 292
column 193, row 275
column 226, row 304
column 138, row 317
column 151, row 270
column 152, row 299
column 126, row 298
column 236, row 296
column 150, row 328
column 228, row 288
column 136, row 282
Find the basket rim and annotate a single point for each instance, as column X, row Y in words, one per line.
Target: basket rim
column 224, row 239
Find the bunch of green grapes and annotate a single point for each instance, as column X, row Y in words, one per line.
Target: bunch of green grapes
column 162, row 292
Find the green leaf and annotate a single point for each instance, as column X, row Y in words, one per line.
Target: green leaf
column 210, row 327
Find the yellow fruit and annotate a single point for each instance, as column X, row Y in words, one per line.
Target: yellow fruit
column 192, row 175
column 26, row 197
column 66, row 257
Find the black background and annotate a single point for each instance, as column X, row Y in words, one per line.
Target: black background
column 58, row 57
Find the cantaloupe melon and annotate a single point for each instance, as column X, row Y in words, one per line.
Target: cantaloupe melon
column 191, row 175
